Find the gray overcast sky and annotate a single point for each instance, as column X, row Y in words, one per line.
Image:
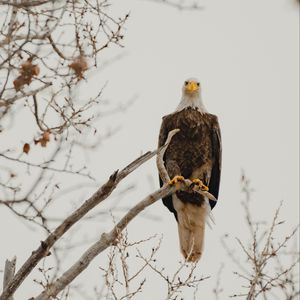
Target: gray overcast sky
column 246, row 55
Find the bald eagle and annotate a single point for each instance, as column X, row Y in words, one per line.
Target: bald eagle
column 194, row 153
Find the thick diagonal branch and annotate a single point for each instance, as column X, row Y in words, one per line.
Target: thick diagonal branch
column 160, row 158
column 100, row 195
column 106, row 240
column 9, row 271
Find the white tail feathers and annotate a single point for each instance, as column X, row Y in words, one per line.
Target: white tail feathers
column 210, row 220
column 191, row 228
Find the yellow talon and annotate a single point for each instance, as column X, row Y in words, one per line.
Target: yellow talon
column 204, row 187
column 199, row 182
column 176, row 179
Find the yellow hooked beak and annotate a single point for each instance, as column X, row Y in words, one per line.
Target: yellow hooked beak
column 191, row 86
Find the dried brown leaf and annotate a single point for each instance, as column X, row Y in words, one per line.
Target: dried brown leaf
column 26, row 148
column 45, row 138
column 27, row 71
column 79, row 66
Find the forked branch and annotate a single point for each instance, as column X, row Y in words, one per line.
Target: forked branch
column 107, row 239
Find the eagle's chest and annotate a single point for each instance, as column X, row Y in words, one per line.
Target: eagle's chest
column 191, row 147
column 192, row 143
column 191, row 128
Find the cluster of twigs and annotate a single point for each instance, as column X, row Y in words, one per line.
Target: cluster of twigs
column 271, row 268
column 47, row 48
column 56, row 286
column 120, row 282
column 183, row 278
column 99, row 246
column 51, row 45
column 125, row 279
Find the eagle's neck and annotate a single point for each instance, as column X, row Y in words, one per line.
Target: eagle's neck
column 194, row 101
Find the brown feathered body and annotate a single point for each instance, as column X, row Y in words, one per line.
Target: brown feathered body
column 194, row 153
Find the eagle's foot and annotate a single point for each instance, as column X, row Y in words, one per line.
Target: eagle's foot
column 176, row 179
column 200, row 184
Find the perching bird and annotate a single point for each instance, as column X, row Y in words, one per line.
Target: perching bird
column 194, row 153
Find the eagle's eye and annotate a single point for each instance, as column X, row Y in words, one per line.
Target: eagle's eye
column 198, row 84
column 186, row 82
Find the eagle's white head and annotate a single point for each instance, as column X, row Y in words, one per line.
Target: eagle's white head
column 191, row 96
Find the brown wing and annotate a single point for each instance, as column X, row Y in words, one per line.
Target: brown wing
column 214, row 182
column 163, row 134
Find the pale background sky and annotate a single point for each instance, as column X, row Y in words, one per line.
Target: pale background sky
column 246, row 55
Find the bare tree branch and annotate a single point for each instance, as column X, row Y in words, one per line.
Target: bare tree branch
column 98, row 197
column 264, row 271
column 105, row 241
column 43, row 250
column 9, row 272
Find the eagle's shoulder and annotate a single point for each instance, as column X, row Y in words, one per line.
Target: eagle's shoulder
column 213, row 118
column 168, row 118
column 164, row 129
